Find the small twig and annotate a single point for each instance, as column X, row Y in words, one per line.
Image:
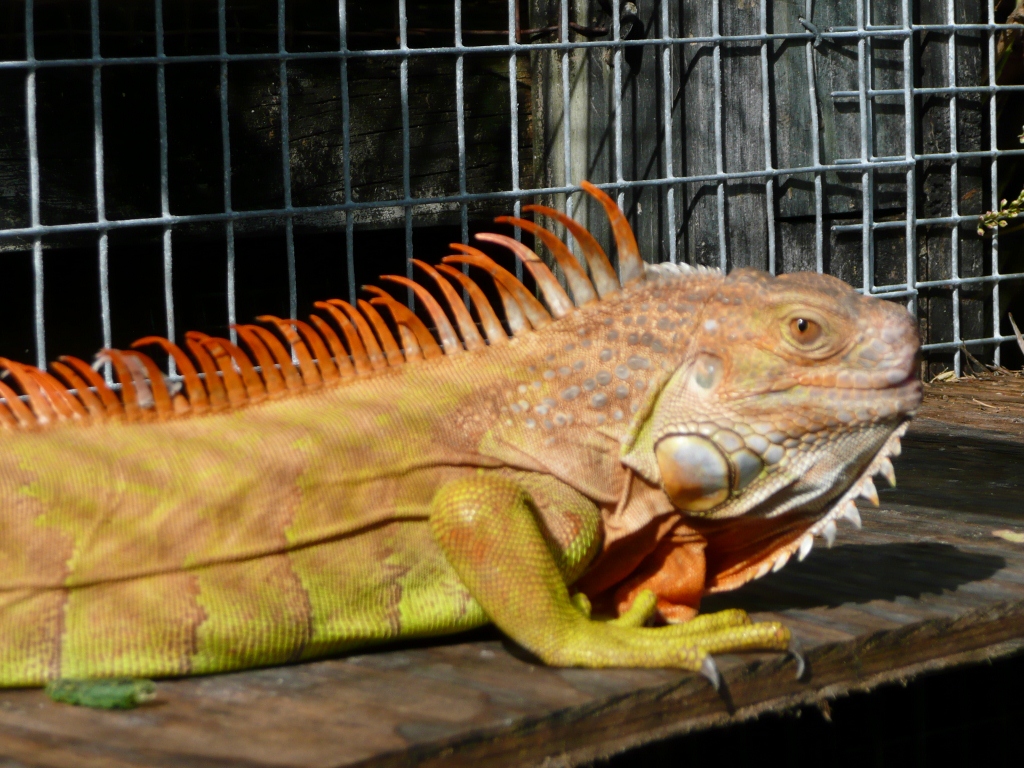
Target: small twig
column 944, row 376
column 1017, row 333
column 976, row 400
column 1000, row 217
column 973, row 362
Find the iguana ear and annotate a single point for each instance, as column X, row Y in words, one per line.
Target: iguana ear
column 640, row 455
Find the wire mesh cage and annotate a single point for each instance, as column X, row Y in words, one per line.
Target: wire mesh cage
column 184, row 164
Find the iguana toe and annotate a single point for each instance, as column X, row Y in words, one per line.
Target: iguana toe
column 644, row 606
column 582, row 603
column 712, row 622
column 760, row 636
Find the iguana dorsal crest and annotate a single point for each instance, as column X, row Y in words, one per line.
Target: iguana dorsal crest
column 218, row 375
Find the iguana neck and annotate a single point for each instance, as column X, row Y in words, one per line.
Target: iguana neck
column 574, row 396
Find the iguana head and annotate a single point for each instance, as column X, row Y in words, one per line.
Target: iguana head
column 761, row 405
column 791, row 386
column 793, row 392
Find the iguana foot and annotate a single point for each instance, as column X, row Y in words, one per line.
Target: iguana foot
column 486, row 528
column 721, row 632
column 687, row 646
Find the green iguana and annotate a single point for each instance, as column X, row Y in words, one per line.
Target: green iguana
column 663, row 434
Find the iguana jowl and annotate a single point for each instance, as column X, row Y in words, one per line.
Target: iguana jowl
column 676, row 434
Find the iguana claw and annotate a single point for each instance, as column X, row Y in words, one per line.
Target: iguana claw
column 796, row 650
column 709, row 669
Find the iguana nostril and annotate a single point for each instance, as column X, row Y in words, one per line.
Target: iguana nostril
column 694, row 473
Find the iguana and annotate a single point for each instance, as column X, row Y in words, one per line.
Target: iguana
column 660, row 435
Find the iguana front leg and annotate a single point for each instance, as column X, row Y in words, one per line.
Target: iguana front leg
column 488, row 532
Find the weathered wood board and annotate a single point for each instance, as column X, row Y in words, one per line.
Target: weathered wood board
column 924, row 586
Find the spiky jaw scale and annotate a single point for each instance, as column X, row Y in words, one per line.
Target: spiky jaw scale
column 844, row 508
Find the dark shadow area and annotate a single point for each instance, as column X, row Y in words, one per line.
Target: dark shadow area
column 860, row 573
column 199, row 275
column 960, row 473
column 967, row 716
column 485, row 634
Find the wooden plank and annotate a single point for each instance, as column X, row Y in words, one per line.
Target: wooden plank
column 924, row 586
column 954, row 407
column 593, row 103
column 742, row 130
column 836, row 66
column 697, row 96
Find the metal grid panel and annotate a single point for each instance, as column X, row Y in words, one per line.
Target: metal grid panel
column 865, row 34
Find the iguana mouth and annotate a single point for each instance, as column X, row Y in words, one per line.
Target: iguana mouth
column 844, row 507
column 908, row 391
column 761, row 550
column 797, row 538
column 910, row 382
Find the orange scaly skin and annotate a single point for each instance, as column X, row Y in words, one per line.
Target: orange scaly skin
column 680, row 433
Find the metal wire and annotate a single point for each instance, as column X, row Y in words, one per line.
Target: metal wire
column 812, row 90
column 668, row 47
column 766, row 127
column 837, row 34
column 33, row 184
column 460, row 124
column 346, row 143
column 723, row 252
column 165, row 198
column 513, row 116
column 97, row 159
column 225, row 143
column 286, row 164
column 910, row 230
column 563, row 34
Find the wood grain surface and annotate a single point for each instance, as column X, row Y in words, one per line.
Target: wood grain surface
column 924, row 586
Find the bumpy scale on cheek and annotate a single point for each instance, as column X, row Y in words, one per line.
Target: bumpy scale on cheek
column 703, row 462
column 708, row 460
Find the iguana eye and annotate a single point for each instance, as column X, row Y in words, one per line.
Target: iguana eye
column 804, row 330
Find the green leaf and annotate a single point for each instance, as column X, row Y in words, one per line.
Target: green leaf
column 110, row 693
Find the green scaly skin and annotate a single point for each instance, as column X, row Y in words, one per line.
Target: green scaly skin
column 489, row 534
